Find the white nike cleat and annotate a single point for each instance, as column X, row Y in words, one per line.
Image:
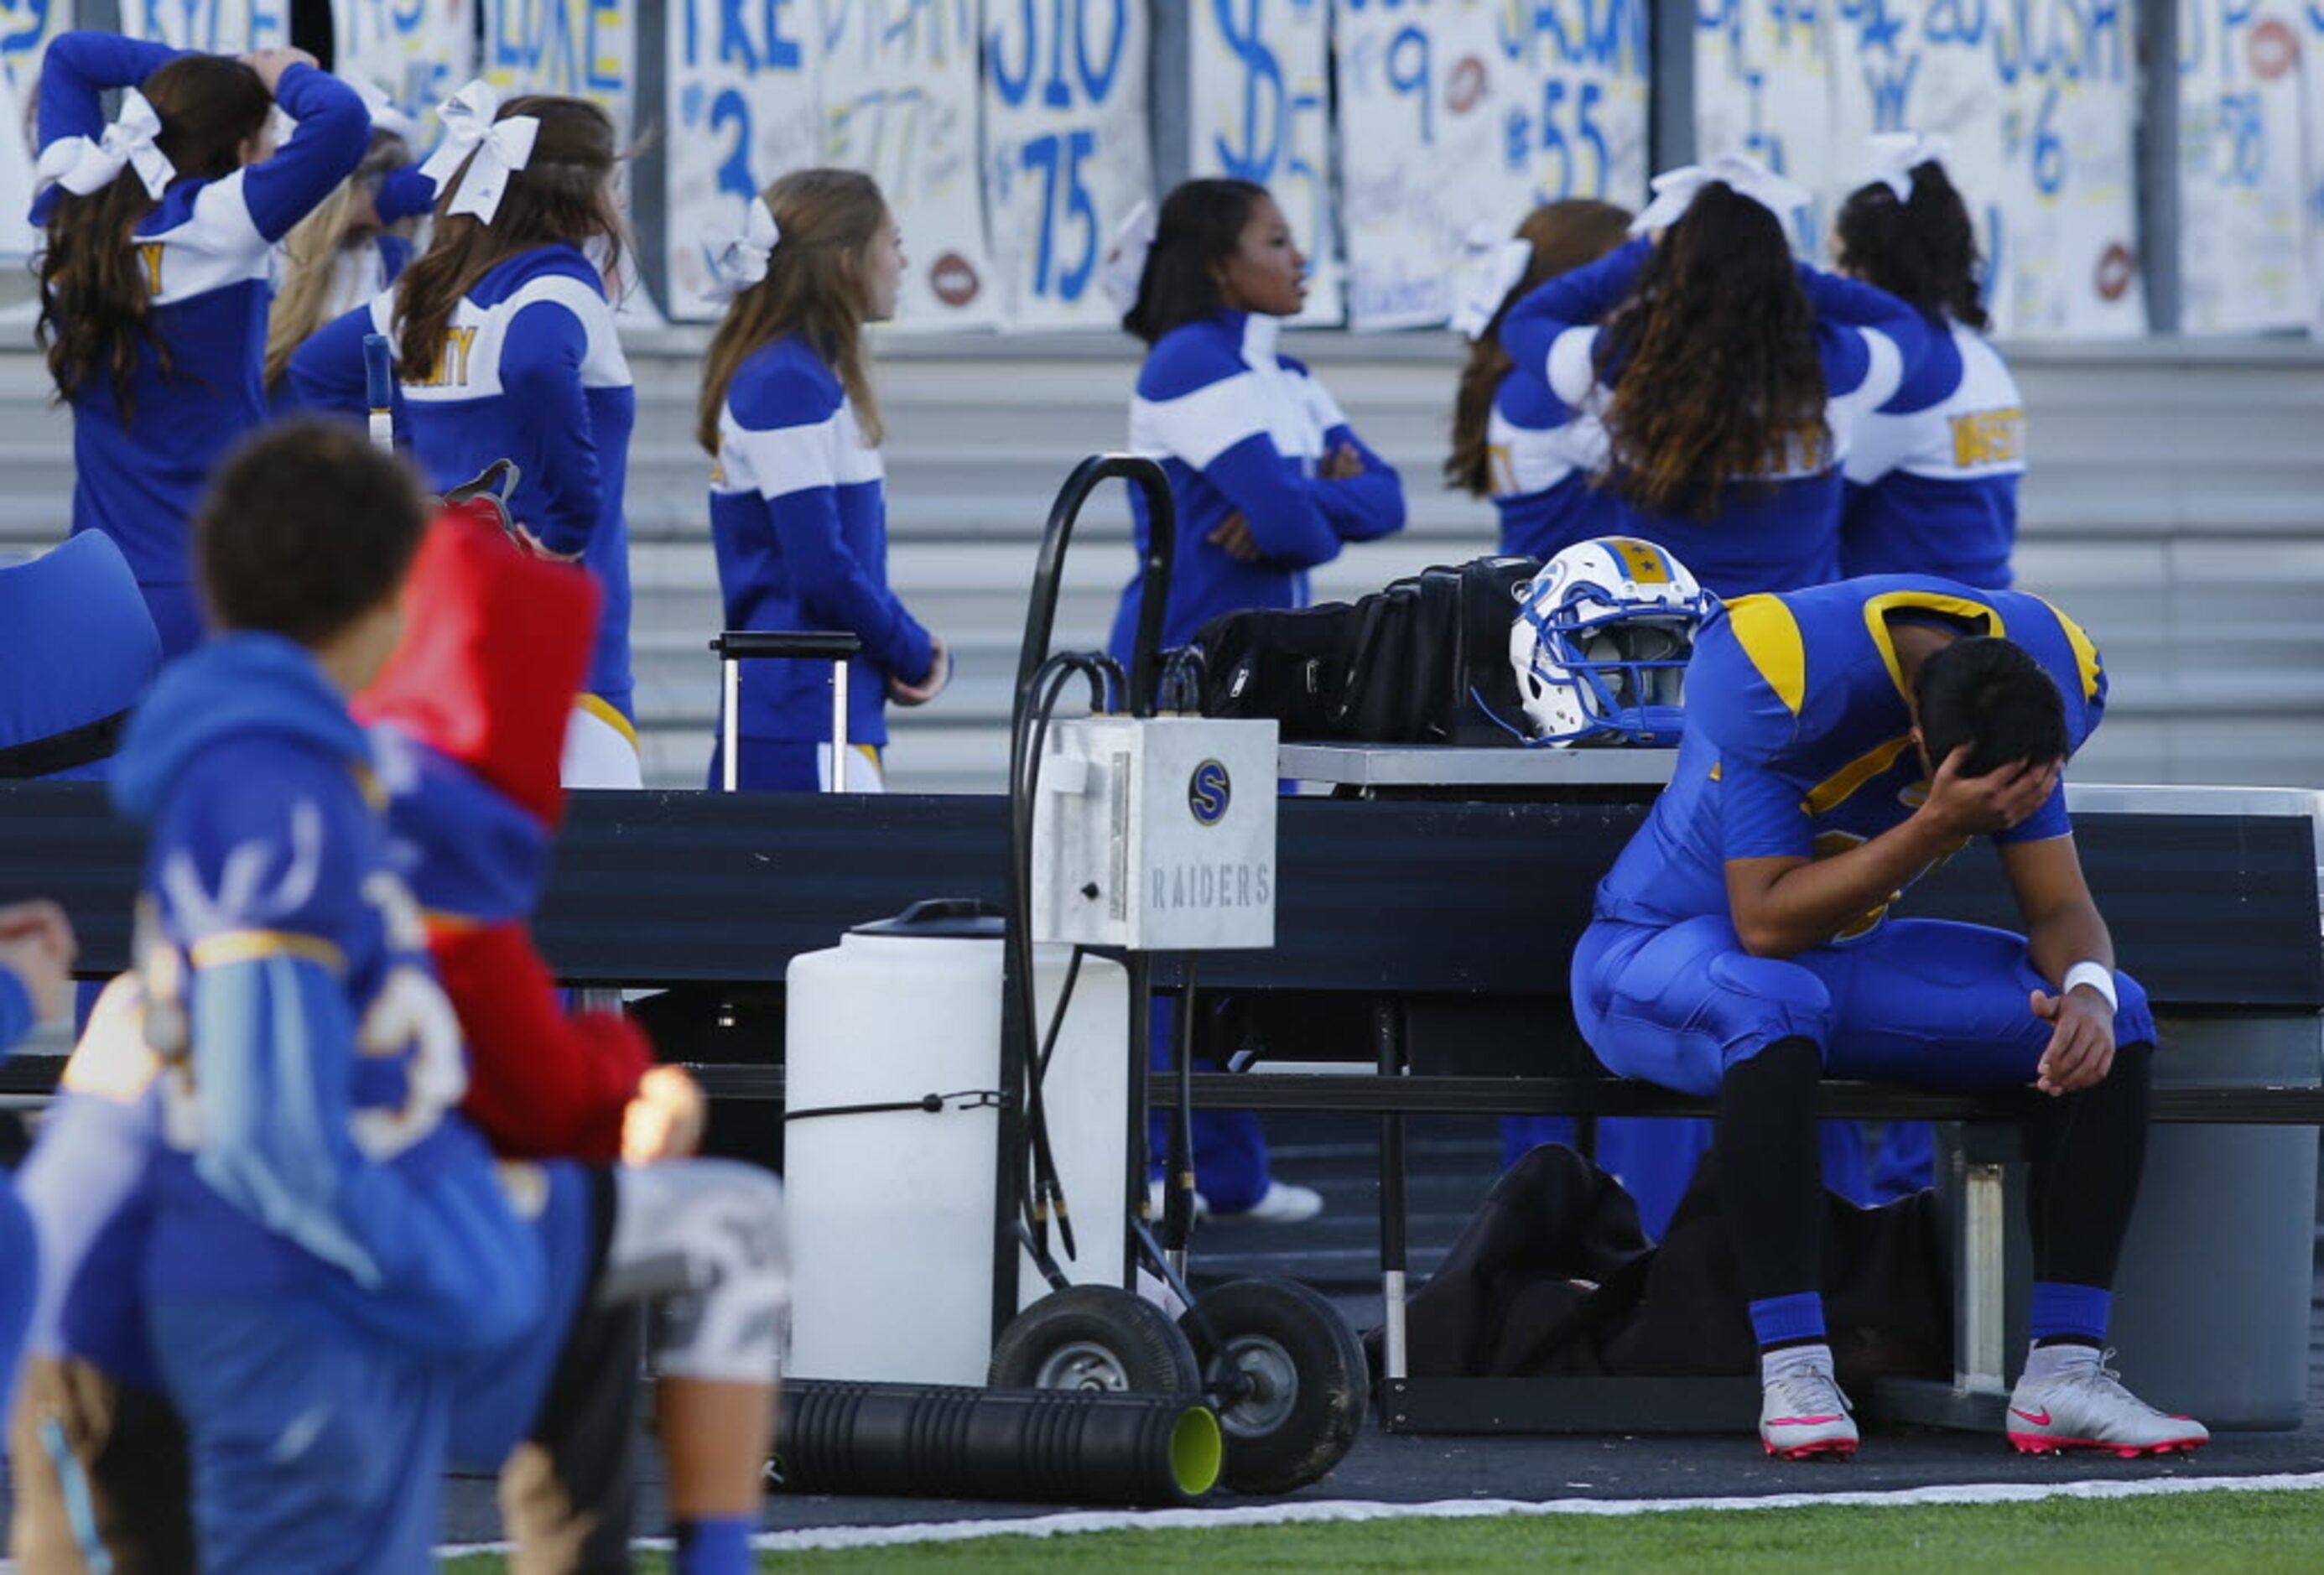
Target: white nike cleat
column 2086, row 1407
column 1803, row 1413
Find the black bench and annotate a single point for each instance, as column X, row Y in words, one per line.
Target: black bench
column 1462, row 914
column 1426, row 939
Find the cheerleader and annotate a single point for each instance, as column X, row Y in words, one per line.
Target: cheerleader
column 1933, row 473
column 1730, row 379
column 1269, row 477
column 1539, row 459
column 503, row 338
column 153, row 278
column 799, row 505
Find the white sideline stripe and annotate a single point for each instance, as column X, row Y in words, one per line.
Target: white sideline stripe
column 1327, row 1511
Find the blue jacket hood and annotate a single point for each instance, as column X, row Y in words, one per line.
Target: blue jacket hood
column 237, row 686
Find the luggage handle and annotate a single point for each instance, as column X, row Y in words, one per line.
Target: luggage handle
column 737, row 646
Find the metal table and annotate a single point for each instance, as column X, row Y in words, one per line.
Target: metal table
column 1372, row 766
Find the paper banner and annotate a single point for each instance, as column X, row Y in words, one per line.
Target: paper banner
column 743, row 109
column 1423, row 157
column 2242, row 243
column 900, row 101
column 1260, row 111
column 217, row 27
column 419, row 54
column 1065, row 149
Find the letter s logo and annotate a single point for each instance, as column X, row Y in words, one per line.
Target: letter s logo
column 1208, row 793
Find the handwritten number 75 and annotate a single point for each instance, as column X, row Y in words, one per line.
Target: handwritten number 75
column 1059, row 157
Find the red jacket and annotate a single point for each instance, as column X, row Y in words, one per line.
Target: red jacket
column 475, row 702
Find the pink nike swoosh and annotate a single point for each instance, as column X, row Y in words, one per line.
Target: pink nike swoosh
column 2038, row 1418
column 1810, row 1420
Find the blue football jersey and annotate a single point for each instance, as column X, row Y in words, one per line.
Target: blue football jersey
column 1798, row 740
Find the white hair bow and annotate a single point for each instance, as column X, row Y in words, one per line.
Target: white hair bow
column 85, row 164
column 743, row 261
column 1896, row 154
column 490, row 148
column 1125, row 258
column 384, row 114
column 1491, row 268
column 1675, row 191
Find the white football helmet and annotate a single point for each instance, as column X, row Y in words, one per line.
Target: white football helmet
column 1601, row 640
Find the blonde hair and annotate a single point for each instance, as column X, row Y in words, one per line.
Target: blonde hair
column 310, row 254
column 814, row 287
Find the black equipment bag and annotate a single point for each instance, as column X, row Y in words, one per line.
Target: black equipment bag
column 1290, row 665
column 1407, row 664
column 1485, row 684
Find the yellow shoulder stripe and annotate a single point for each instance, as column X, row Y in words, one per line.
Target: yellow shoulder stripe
column 1834, row 790
column 1770, row 636
column 257, row 945
column 1876, row 619
column 2086, row 650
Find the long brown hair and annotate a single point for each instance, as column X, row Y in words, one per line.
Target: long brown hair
column 1712, row 360
column 1564, row 235
column 95, row 292
column 814, row 287
column 310, row 253
column 563, row 196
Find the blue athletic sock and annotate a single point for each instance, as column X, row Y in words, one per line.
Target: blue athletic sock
column 2070, row 1312
column 715, row 1545
column 1794, row 1320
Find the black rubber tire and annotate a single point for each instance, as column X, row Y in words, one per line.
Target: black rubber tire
column 1313, row 1380
column 1094, row 1337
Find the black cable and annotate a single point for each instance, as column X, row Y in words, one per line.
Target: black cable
column 1057, row 1015
column 1117, row 698
column 1040, row 1077
column 1044, row 1193
column 1178, row 1197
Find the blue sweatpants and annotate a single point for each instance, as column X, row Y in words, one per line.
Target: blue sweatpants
column 316, row 1448
column 497, row 1393
column 1924, row 1003
column 1230, row 1162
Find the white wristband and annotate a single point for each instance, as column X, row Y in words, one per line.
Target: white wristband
column 2099, row 977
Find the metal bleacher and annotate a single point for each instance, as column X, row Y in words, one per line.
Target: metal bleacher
column 2175, row 507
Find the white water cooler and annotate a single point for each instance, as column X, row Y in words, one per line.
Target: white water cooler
column 891, row 1212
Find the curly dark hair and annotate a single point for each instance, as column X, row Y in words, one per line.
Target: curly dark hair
column 1712, row 360
column 1564, row 235
column 1922, row 250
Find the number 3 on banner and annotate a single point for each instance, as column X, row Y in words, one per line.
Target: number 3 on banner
column 735, row 174
column 1043, row 154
